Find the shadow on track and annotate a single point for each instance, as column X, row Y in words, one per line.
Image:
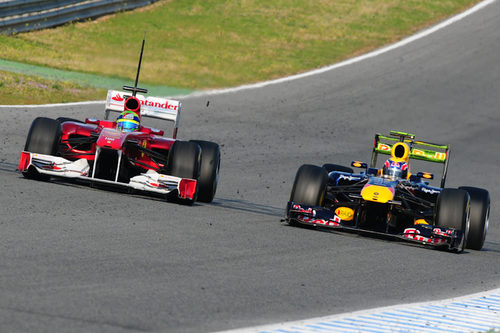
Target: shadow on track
column 491, row 246
column 8, row 167
column 245, row 206
column 234, row 204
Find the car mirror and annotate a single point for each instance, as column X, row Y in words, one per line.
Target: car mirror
column 425, row 175
column 357, row 164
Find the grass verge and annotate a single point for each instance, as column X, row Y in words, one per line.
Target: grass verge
column 199, row 44
column 19, row 89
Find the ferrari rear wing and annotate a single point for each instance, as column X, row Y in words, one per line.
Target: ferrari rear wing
column 419, row 150
column 153, row 107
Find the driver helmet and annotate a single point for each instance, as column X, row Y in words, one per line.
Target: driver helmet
column 395, row 169
column 128, row 121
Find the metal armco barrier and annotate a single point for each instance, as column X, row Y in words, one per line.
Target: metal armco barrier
column 26, row 15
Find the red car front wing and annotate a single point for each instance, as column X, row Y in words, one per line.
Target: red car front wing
column 150, row 181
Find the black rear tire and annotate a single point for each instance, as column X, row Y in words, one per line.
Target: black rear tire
column 43, row 138
column 209, row 170
column 184, row 161
column 479, row 216
column 452, row 211
column 65, row 119
column 309, row 187
column 335, row 167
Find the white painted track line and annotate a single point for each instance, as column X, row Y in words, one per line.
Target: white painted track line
column 372, row 54
column 375, row 53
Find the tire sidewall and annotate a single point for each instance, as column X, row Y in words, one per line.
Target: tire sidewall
column 329, row 167
column 43, row 138
column 453, row 211
column 184, row 162
column 479, row 216
column 309, row 187
column 209, row 170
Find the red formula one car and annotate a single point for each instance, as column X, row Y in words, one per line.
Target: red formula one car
column 123, row 152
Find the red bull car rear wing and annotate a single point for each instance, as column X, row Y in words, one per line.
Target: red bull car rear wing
column 419, row 150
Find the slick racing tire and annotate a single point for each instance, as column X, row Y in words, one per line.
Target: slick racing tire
column 479, row 216
column 209, row 170
column 334, row 167
column 43, row 138
column 184, row 161
column 309, row 187
column 452, row 211
column 65, row 119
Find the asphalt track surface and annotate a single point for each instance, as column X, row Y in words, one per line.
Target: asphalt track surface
column 81, row 259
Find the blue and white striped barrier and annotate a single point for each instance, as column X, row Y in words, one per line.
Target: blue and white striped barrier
column 473, row 313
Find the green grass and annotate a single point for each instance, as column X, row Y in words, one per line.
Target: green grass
column 17, row 89
column 199, row 44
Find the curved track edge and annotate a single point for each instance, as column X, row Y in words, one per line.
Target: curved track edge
column 478, row 312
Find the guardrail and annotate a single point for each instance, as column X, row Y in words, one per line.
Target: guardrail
column 26, row 15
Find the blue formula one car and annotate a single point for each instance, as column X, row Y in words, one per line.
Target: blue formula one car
column 391, row 201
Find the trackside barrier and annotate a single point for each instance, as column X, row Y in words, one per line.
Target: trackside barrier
column 27, row 15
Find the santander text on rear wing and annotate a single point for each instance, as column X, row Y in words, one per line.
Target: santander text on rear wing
column 153, row 107
column 419, row 150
